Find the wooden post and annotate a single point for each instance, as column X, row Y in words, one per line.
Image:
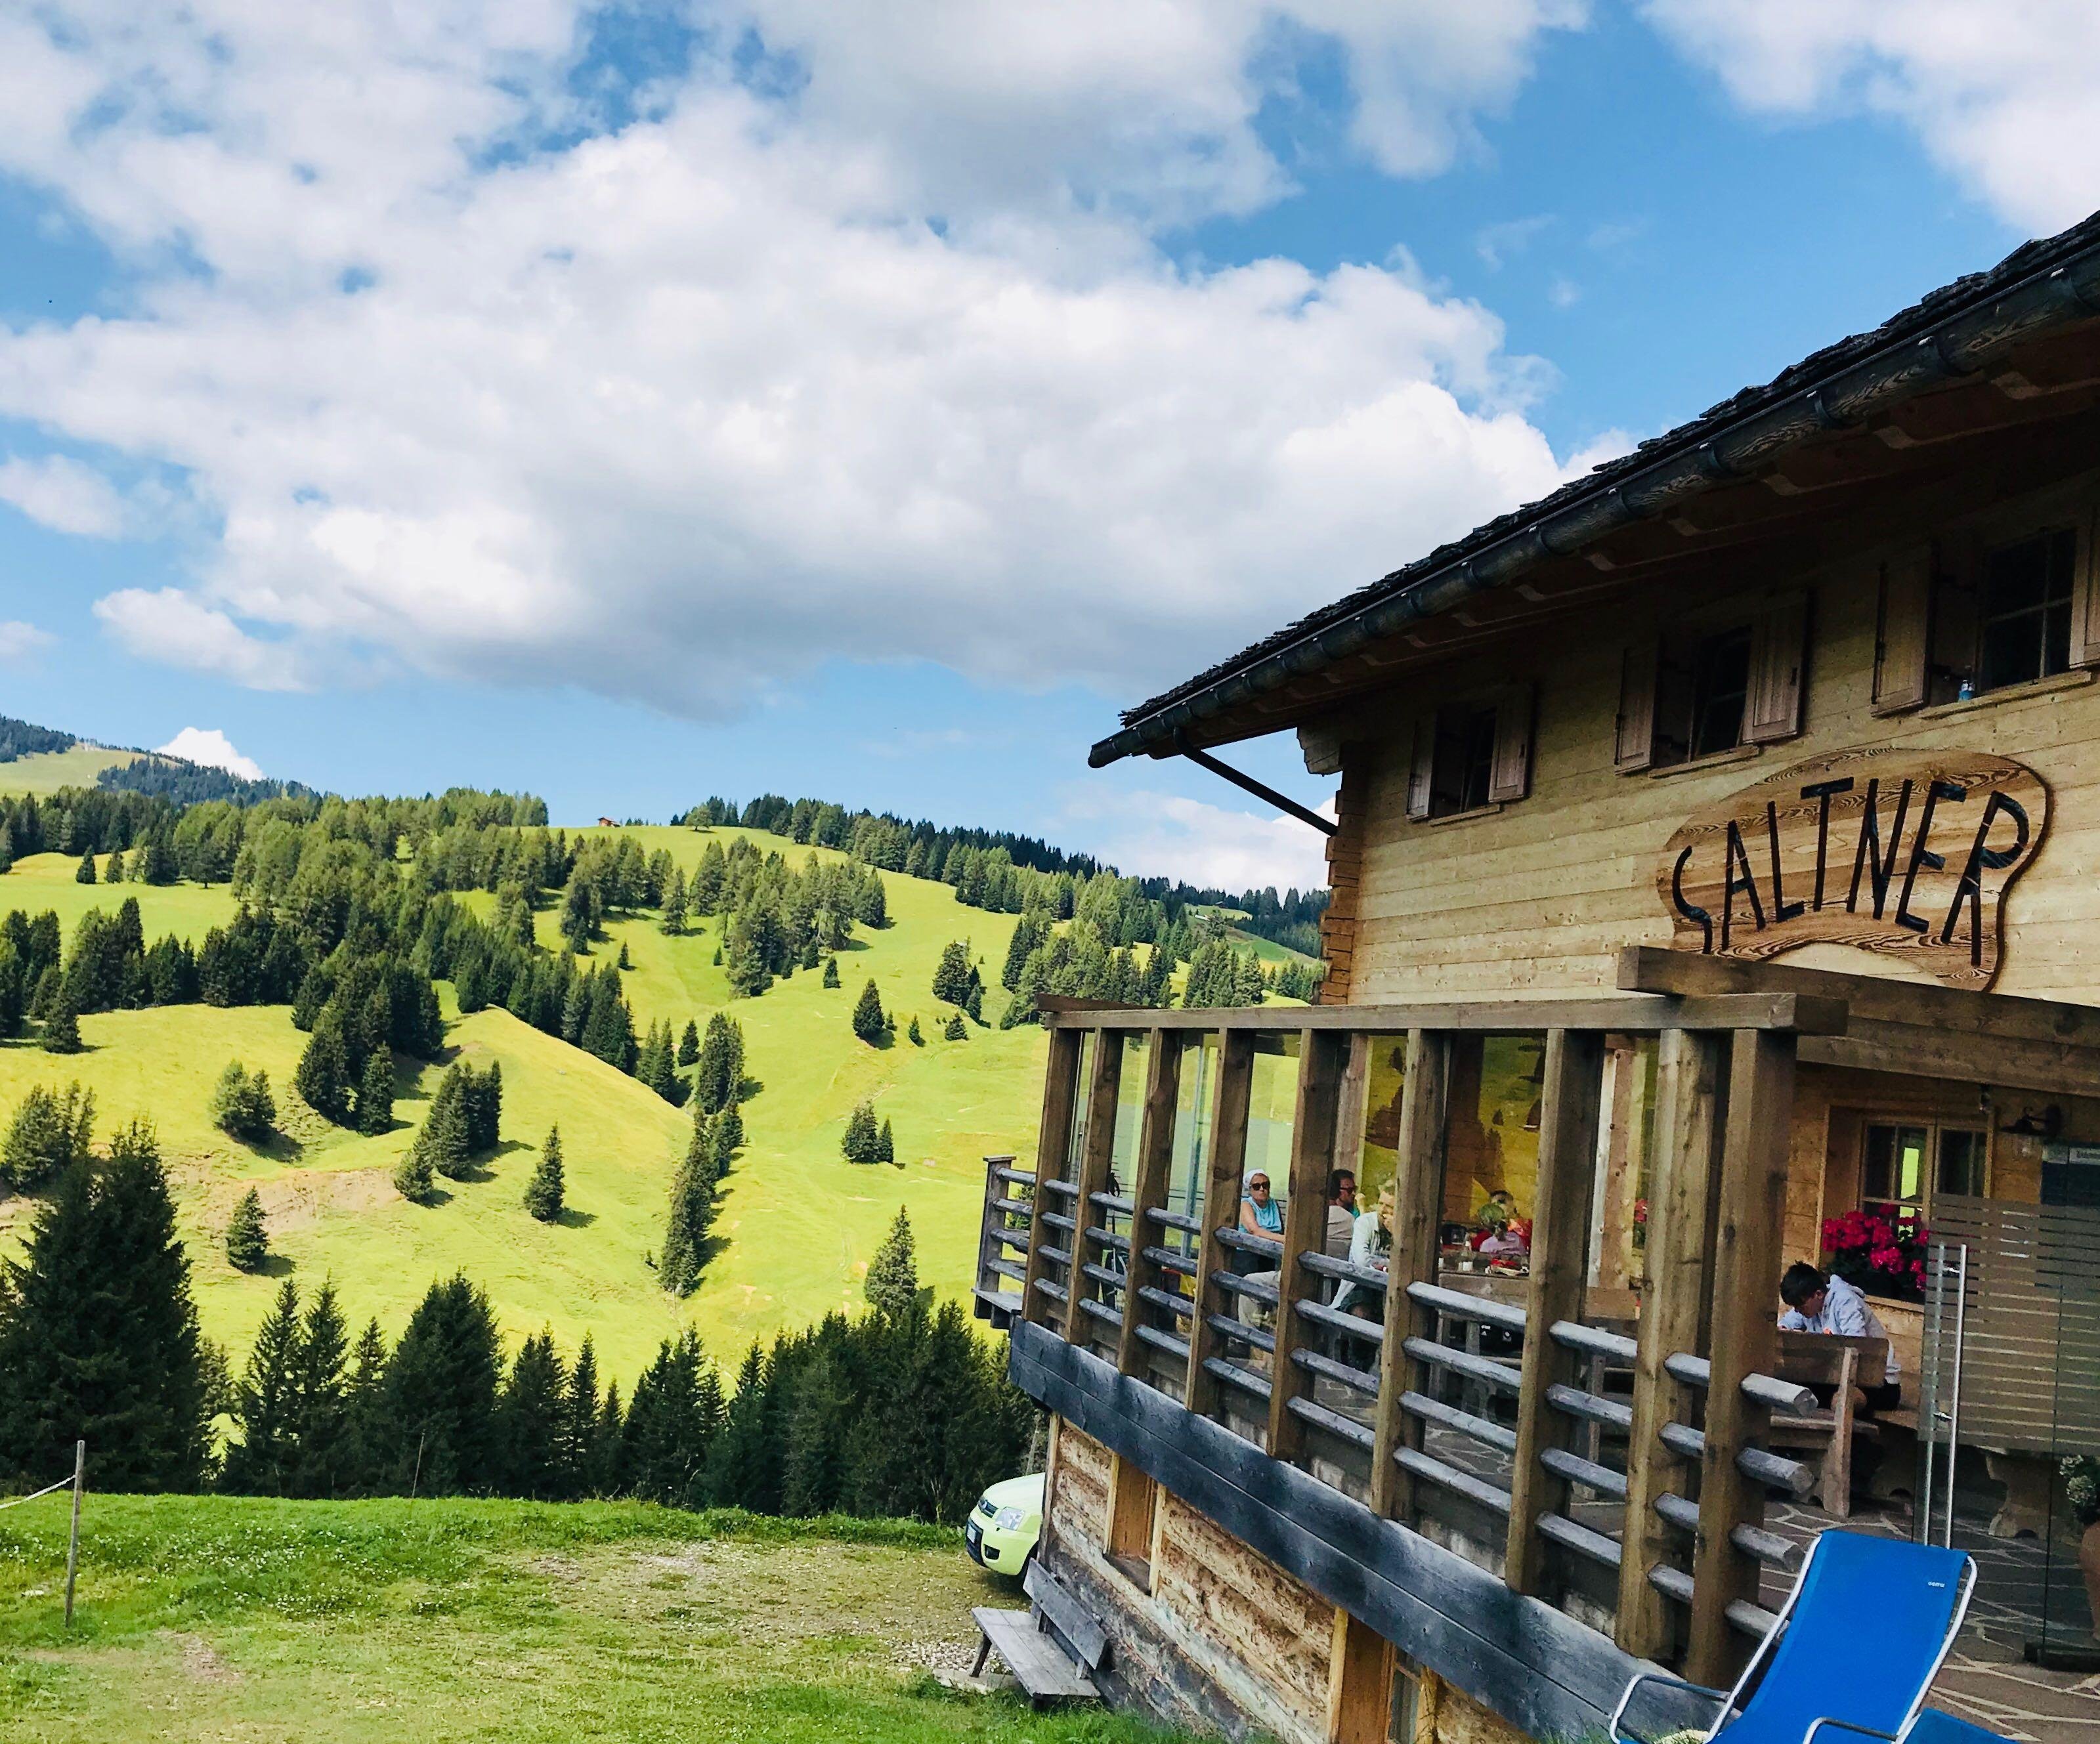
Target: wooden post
column 1352, row 1106
column 1053, row 1140
column 73, row 1543
column 1559, row 1240
column 1747, row 1236
column 1097, row 1153
column 1418, row 1214
column 1688, row 1116
column 991, row 1235
column 1230, row 1100
column 1148, row 1189
column 1321, row 1065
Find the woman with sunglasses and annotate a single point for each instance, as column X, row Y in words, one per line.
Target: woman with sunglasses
column 1260, row 1214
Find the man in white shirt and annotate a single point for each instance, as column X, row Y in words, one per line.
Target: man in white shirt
column 1817, row 1302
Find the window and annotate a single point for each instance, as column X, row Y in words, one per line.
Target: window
column 1902, row 1164
column 1472, row 754
column 2025, row 610
column 1704, row 687
column 1967, row 616
column 1133, row 1520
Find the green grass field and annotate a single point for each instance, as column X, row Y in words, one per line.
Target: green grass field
column 212, row 1618
column 799, row 1223
column 48, row 770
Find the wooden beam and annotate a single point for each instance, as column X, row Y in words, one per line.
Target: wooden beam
column 1569, row 1107
column 1636, row 1013
column 1096, row 1155
column 1418, row 1213
column 1230, row 1098
column 1147, row 1190
column 1747, row 1236
column 1320, row 1069
column 1053, row 1144
column 1687, row 1117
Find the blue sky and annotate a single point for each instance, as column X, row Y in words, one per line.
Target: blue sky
column 634, row 405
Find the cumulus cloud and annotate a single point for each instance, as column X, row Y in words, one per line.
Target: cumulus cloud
column 674, row 402
column 1165, row 834
column 213, row 749
column 2005, row 94
column 18, row 640
column 62, row 495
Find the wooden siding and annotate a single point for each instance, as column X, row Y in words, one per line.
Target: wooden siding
column 1537, row 897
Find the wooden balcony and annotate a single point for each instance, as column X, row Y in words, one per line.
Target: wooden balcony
column 1527, row 1485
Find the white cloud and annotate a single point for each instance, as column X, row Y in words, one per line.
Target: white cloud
column 62, row 495
column 890, row 368
column 1162, row 835
column 2005, row 94
column 18, row 640
column 1498, row 243
column 213, row 749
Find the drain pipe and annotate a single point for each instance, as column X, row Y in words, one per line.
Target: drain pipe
column 1260, row 790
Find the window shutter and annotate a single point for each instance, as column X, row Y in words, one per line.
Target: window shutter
column 1904, row 636
column 1636, row 734
column 1510, row 777
column 2085, row 601
column 1421, row 778
column 1778, row 655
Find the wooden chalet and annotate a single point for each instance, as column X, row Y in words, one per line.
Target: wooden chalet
column 1717, row 853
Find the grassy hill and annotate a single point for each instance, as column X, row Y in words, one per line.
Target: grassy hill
column 798, row 1225
column 208, row 1618
column 47, row 771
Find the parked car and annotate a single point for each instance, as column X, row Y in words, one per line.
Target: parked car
column 1005, row 1524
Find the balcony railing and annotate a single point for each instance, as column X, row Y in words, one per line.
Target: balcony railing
column 1616, row 1472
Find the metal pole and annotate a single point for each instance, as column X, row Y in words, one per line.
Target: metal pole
column 1954, row 1406
column 1928, row 1414
column 72, row 1545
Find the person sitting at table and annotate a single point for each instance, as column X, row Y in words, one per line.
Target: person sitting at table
column 1370, row 1243
column 1341, row 1212
column 1259, row 1215
column 1817, row 1301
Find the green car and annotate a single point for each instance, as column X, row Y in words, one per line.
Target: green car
column 1005, row 1524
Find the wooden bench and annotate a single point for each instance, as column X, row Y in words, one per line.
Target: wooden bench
column 1053, row 1647
column 1841, row 1364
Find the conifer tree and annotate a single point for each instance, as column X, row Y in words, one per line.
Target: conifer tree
column 247, row 1239
column 862, row 1136
column 626, row 962
column 674, row 904
column 62, row 1028
column 242, row 1106
column 916, row 1037
column 262, row 1459
column 870, row 1022
column 885, row 1145
column 99, row 1340
column 544, row 1192
column 440, row 1396
column 375, row 1093
column 672, row 1422
column 951, row 975
column 321, row 1405
column 690, row 1213
column 363, row 1449
column 743, row 1470
column 891, row 1284
column 413, row 1177
column 689, row 1044
column 323, row 1079
column 955, row 1030
column 831, row 972
column 580, row 915
column 115, row 874
column 718, row 1074
column 582, row 1456
column 48, row 1135
column 445, row 1142
column 84, row 873
column 530, row 1418
column 728, row 1136
column 973, row 998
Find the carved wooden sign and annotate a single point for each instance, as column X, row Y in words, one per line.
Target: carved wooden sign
column 1908, row 853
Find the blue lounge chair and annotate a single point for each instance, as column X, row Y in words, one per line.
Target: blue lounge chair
column 1857, row 1645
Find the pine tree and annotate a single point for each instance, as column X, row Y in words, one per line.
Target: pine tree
column 99, row 1341
column 831, row 972
column 84, row 874
column 62, row 1028
column 530, row 1418
column 242, row 1106
column 115, row 874
column 743, row 1467
column 955, row 1030
column 580, row 915
column 858, row 1145
column 375, row 1094
column 444, row 1144
column 261, row 1461
column 543, row 1192
column 581, row 1454
column 691, row 1212
column 321, row 1405
column 728, row 1134
column 951, row 975
column 891, row 1284
column 440, row 1396
column 247, row 1239
column 672, row 1423
column 870, row 1022
column 323, row 1079
column 625, row 962
column 413, row 1177
column 674, row 904
column 718, row 1073
column 915, row 1036
column 689, row 1044
column 973, row 999
column 362, row 1451
column 48, row 1135
column 885, row 1145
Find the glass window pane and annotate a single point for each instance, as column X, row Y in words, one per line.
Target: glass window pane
column 1961, row 1153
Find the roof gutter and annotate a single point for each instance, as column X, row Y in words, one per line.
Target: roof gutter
column 1961, row 344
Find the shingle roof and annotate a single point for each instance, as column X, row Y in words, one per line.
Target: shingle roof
column 1951, row 332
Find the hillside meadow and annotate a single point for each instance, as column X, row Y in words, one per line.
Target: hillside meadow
column 798, row 1223
column 210, row 1617
column 48, row 770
